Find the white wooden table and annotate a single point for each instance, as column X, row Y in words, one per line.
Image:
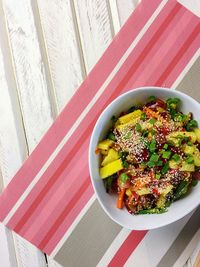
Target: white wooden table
column 47, row 47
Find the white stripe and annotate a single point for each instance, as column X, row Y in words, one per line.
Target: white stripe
column 84, row 113
column 114, row 247
column 73, row 226
column 186, row 69
column 188, row 250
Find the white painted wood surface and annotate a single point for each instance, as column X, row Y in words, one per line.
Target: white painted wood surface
column 46, row 50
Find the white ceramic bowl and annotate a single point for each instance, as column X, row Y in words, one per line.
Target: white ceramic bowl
column 179, row 208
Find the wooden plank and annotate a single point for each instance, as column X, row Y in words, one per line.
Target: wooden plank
column 94, row 27
column 66, row 62
column 19, row 87
column 7, row 250
column 114, row 16
column 125, row 8
column 30, row 70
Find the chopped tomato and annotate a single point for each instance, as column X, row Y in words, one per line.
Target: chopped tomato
column 165, row 130
column 155, row 191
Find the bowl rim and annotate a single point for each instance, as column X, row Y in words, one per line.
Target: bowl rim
column 138, row 89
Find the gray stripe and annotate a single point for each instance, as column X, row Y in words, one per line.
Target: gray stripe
column 90, row 239
column 181, row 241
column 191, row 82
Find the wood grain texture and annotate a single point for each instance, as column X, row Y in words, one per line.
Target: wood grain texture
column 7, row 250
column 30, row 72
column 95, row 29
column 125, row 8
column 66, row 66
column 15, row 86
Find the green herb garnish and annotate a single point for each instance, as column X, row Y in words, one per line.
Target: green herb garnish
column 124, row 177
column 152, row 121
column 181, row 189
column 189, row 159
column 158, row 176
column 143, row 116
column 138, row 127
column 173, row 102
column 152, row 146
column 159, row 163
column 194, row 182
column 191, row 125
column 154, row 157
column 190, row 143
column 151, row 164
column 165, row 146
column 128, row 135
column 125, row 164
column 166, row 154
column 176, row 157
column 165, row 168
column 145, row 133
column 111, row 136
column 151, row 98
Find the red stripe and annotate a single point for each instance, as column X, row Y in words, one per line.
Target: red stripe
column 180, row 53
column 78, row 103
column 127, row 248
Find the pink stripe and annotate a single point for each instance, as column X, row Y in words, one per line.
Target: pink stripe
column 194, row 35
column 75, row 141
column 50, row 242
column 43, row 191
column 164, row 51
column 57, row 199
column 79, row 101
column 127, row 248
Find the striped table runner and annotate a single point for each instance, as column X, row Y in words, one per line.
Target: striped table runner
column 50, row 201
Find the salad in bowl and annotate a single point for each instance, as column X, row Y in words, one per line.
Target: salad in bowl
column 150, row 156
column 144, row 157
